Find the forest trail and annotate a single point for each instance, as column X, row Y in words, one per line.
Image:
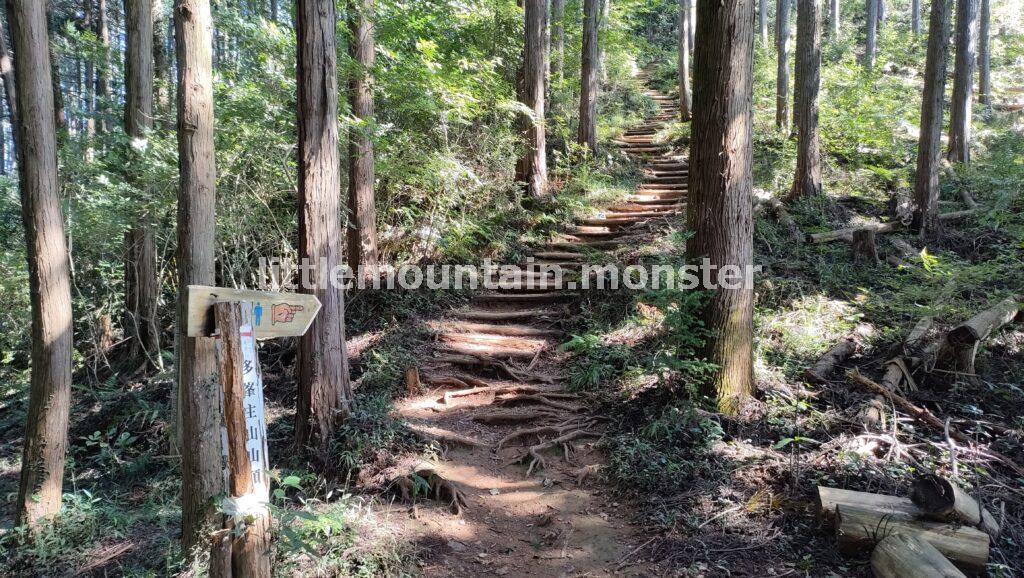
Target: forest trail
column 519, row 447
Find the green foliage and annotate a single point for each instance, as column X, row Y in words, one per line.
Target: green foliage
column 666, row 452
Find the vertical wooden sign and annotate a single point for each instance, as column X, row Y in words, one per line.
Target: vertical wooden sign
column 246, row 442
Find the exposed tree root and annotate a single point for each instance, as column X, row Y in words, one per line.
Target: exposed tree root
column 559, row 430
column 410, row 487
column 534, row 452
column 479, row 359
column 540, row 399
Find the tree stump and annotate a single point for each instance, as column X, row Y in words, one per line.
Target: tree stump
column 865, row 251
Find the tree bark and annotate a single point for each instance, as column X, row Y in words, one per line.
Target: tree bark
column 963, row 82
column 273, row 10
column 10, row 92
column 719, row 211
column 693, row 23
column 142, row 295
column 984, row 54
column 834, row 17
column 362, row 230
column 142, row 288
column 532, row 167
column 684, row 59
column 324, row 388
column 915, row 16
column 46, row 431
column 102, row 64
column 782, row 65
column 90, row 86
column 587, row 135
column 871, row 33
column 199, row 397
column 602, row 31
column 807, row 182
column 926, row 182
column 762, row 20
column 161, row 66
column 558, row 36
column 945, row 501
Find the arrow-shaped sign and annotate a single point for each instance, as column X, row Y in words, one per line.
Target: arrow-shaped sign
column 274, row 314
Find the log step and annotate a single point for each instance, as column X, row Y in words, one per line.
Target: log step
column 522, row 297
column 493, row 329
column 490, row 315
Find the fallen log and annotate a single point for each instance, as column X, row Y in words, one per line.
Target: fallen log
column 508, row 330
column 902, row 555
column 820, row 371
column 941, row 499
column 957, row 351
column 927, row 417
column 831, row 498
column 896, row 369
column 858, row 530
column 881, row 228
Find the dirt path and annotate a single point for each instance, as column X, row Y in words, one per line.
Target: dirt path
column 493, row 392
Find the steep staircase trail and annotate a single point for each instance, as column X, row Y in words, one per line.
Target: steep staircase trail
column 519, row 448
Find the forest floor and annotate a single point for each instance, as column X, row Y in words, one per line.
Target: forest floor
column 520, row 448
column 663, row 487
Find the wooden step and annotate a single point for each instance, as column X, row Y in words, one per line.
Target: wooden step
column 490, row 315
column 546, row 297
column 581, row 245
column 644, row 214
column 557, row 255
column 495, row 329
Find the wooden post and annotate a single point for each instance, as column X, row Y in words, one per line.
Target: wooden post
column 244, row 421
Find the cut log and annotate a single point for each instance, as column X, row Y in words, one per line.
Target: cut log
column 858, row 530
column 960, row 347
column 523, row 297
column 842, row 351
column 831, row 498
column 943, row 500
column 907, row 555
column 412, row 380
column 863, row 246
column 881, row 228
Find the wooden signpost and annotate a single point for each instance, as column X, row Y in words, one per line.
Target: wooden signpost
column 237, row 319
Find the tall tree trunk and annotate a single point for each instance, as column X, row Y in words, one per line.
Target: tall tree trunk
column 161, row 90
column 60, row 114
column 7, row 73
column 881, row 13
column 926, row 184
column 684, row 60
column 963, row 81
column 46, row 431
column 782, row 65
column 602, row 32
column 915, row 16
column 693, row 23
column 719, row 211
column 807, row 82
column 984, row 54
column 324, row 387
column 103, row 64
column 587, row 135
column 198, row 399
column 532, row 169
column 90, row 86
column 142, row 288
column 362, row 230
column 762, row 20
column 558, row 37
column 273, row 10
column 871, row 34
column 834, row 17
